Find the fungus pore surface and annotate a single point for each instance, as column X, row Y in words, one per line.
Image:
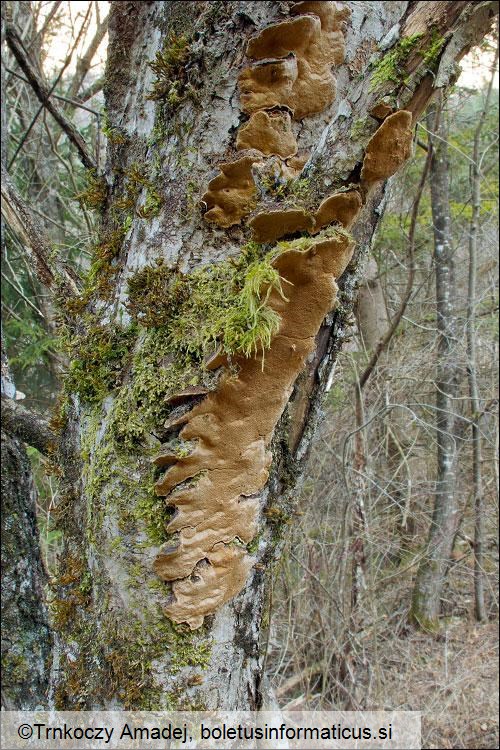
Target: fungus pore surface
column 270, row 226
column 232, row 430
column 270, row 133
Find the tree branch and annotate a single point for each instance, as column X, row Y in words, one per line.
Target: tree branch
column 22, row 221
column 385, row 340
column 83, row 64
column 43, row 94
column 26, row 425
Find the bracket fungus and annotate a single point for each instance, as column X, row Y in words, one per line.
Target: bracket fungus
column 269, row 133
column 388, row 148
column 314, row 42
column 267, row 84
column 381, row 110
column 340, row 207
column 290, row 77
column 185, row 395
column 270, row 226
column 231, row 195
column 232, row 429
column 213, row 486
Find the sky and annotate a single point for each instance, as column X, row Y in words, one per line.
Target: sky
column 475, row 66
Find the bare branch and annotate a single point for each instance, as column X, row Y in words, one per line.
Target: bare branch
column 42, row 92
column 385, row 340
column 91, row 90
column 50, row 16
column 26, row 425
column 84, row 63
column 22, row 221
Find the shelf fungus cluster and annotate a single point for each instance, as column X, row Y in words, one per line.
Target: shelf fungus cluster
column 214, row 486
column 290, row 78
column 233, row 426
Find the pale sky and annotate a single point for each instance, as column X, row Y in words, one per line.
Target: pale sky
column 475, row 66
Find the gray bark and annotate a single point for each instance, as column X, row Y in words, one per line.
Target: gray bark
column 426, row 602
column 26, row 636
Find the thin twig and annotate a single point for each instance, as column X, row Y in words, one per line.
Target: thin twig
column 43, row 93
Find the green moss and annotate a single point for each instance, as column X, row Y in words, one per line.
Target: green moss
column 361, row 126
column 170, row 68
column 95, row 194
column 291, row 190
column 120, row 659
column 98, row 359
column 113, row 134
column 15, row 668
column 141, row 407
column 391, row 67
column 223, row 304
column 152, row 205
column 433, row 51
column 155, row 514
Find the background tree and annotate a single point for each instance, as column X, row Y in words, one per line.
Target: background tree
column 431, row 574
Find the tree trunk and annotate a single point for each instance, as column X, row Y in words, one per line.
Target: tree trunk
column 26, row 636
column 426, row 602
column 474, row 394
column 186, row 347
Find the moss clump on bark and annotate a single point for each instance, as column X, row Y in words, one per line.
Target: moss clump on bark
column 117, row 663
column 170, row 64
column 95, row 193
column 97, row 360
column 222, row 304
column 390, row 67
column 433, row 51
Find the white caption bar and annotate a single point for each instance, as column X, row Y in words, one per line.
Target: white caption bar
column 87, row 730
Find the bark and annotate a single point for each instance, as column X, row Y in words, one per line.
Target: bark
column 26, row 425
column 474, row 394
column 426, row 601
column 116, row 647
column 26, row 635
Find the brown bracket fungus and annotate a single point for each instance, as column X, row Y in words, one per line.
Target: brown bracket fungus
column 341, row 208
column 186, row 394
column 269, row 133
column 232, row 430
column 388, row 148
column 381, row 110
column 331, row 16
column 268, row 84
column 315, row 43
column 216, row 579
column 231, row 195
column 269, row 227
